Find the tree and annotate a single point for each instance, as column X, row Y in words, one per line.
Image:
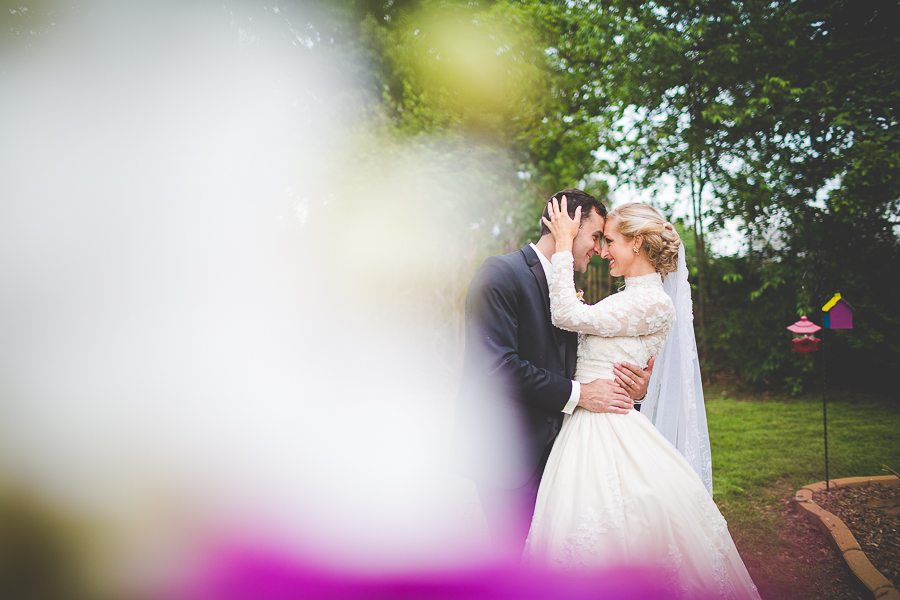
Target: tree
column 652, row 75
column 782, row 114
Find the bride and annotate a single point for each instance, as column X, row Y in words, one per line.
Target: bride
column 615, row 491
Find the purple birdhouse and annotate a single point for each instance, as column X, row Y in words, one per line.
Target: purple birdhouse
column 838, row 314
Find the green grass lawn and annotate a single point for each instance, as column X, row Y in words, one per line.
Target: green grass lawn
column 765, row 448
column 758, row 442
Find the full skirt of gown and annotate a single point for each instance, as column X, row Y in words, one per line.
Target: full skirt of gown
column 616, row 492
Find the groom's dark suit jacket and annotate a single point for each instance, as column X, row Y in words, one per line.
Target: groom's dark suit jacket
column 517, row 372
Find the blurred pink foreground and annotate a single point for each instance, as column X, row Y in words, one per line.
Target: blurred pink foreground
column 255, row 576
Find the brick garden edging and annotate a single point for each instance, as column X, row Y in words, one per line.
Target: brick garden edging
column 841, row 537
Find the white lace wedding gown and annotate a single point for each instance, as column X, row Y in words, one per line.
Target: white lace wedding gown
column 615, row 491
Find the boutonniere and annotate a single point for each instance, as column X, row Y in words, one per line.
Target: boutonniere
column 580, row 295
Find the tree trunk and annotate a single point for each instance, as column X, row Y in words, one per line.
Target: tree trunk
column 700, row 245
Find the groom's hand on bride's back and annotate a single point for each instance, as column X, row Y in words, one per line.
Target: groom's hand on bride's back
column 605, row 396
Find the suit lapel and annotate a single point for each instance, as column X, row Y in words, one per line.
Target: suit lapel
column 534, row 263
column 561, row 337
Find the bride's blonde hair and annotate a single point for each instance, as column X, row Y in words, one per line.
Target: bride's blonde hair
column 660, row 240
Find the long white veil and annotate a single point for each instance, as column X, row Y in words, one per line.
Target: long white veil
column 674, row 401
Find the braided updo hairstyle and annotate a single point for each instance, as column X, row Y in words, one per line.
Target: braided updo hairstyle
column 660, row 240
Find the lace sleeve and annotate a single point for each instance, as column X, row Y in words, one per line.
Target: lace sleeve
column 625, row 314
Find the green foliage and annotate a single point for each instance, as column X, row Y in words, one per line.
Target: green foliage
column 823, row 108
column 755, row 297
column 746, row 327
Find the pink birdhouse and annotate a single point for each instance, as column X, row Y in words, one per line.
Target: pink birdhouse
column 838, row 314
column 805, row 343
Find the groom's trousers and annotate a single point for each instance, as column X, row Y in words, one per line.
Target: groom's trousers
column 509, row 511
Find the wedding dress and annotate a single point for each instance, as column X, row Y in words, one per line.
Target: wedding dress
column 615, row 491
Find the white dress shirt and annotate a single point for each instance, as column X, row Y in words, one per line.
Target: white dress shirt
column 576, row 387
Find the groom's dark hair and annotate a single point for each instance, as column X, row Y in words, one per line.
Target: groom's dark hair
column 574, row 199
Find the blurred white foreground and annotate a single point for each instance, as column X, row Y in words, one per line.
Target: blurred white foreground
column 198, row 339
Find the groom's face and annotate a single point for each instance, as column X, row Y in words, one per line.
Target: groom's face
column 588, row 242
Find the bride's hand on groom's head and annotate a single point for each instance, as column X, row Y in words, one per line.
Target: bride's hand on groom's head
column 563, row 227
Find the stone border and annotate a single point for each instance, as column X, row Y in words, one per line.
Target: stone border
column 841, row 537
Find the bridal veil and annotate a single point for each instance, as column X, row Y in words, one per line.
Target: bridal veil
column 674, row 402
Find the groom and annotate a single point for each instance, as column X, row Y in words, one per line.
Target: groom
column 517, row 376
